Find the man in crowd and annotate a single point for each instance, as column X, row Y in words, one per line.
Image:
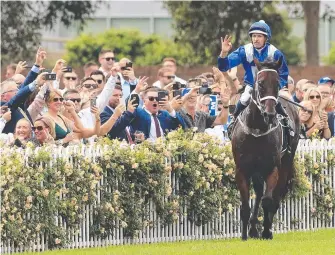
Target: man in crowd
column 127, row 77
column 299, row 94
column 171, row 64
column 70, row 80
column 156, row 118
column 106, row 60
column 114, row 119
column 15, row 97
column 165, row 77
column 200, row 119
column 10, row 71
column 90, row 67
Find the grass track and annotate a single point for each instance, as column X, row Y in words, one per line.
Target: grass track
column 320, row 242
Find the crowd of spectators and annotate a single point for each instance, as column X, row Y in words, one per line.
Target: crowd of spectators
column 59, row 107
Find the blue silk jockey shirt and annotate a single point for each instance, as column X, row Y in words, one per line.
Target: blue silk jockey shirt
column 244, row 55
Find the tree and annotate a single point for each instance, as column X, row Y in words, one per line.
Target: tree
column 21, row 22
column 311, row 14
column 142, row 49
column 202, row 23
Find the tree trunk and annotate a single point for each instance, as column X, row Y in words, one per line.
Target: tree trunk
column 311, row 13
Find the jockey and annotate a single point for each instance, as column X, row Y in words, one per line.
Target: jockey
column 260, row 48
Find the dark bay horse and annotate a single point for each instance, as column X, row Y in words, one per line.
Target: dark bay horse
column 257, row 148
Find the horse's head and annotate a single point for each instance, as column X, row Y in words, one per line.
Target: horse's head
column 266, row 88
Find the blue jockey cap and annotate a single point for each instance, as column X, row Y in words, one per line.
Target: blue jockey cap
column 260, row 27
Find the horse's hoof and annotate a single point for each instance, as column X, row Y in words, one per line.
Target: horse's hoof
column 267, row 235
column 253, row 233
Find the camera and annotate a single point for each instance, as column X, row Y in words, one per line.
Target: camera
column 127, row 67
column 67, row 69
column 50, row 76
column 176, row 85
column 205, row 91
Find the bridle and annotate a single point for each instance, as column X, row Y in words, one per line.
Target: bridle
column 258, row 100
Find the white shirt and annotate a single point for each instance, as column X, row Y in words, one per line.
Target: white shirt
column 152, row 134
column 177, row 79
column 102, row 70
column 218, row 132
column 106, row 93
column 87, row 118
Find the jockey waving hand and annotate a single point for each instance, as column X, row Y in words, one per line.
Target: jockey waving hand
column 259, row 48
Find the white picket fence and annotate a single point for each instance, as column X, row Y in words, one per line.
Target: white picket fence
column 293, row 214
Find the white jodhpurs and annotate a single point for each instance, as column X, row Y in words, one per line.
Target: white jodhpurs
column 246, row 96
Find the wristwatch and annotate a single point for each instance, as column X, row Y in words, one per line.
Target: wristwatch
column 226, row 107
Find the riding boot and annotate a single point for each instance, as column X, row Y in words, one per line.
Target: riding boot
column 286, row 123
column 239, row 108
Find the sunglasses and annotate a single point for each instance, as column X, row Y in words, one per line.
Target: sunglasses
column 312, row 97
column 153, row 99
column 306, row 110
column 75, row 100
column 39, row 128
column 170, row 77
column 109, row 59
column 71, row 78
column 90, row 86
column 98, row 81
column 56, row 99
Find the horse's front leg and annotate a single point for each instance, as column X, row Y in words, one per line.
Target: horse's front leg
column 258, row 184
column 243, row 186
column 268, row 203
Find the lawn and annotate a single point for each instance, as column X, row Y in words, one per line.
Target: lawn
column 313, row 242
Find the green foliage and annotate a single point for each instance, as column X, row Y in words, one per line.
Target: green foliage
column 141, row 49
column 22, row 21
column 202, row 23
column 330, row 59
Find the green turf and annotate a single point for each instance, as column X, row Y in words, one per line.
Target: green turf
column 313, row 242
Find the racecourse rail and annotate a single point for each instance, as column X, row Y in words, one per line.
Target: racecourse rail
column 293, row 214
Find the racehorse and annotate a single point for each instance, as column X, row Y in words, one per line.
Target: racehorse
column 257, row 141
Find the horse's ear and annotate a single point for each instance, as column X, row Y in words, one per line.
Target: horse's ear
column 257, row 63
column 279, row 62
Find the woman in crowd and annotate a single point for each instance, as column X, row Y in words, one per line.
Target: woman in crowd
column 44, row 129
column 310, row 124
column 22, row 134
column 65, row 129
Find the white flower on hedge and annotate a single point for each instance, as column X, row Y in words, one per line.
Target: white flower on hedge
column 197, row 173
column 313, row 210
column 134, row 166
column 226, row 161
column 45, row 192
column 207, row 185
column 230, row 207
column 330, row 205
column 201, row 158
column 194, row 129
column 327, row 198
column 124, row 224
column 191, row 193
column 58, row 241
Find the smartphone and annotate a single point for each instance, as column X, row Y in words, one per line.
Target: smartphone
column 93, row 101
column 162, row 95
column 183, row 86
column 194, row 82
column 67, row 69
column 136, row 99
column 129, row 64
column 176, row 93
column 205, row 91
column 50, row 76
column 176, row 85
